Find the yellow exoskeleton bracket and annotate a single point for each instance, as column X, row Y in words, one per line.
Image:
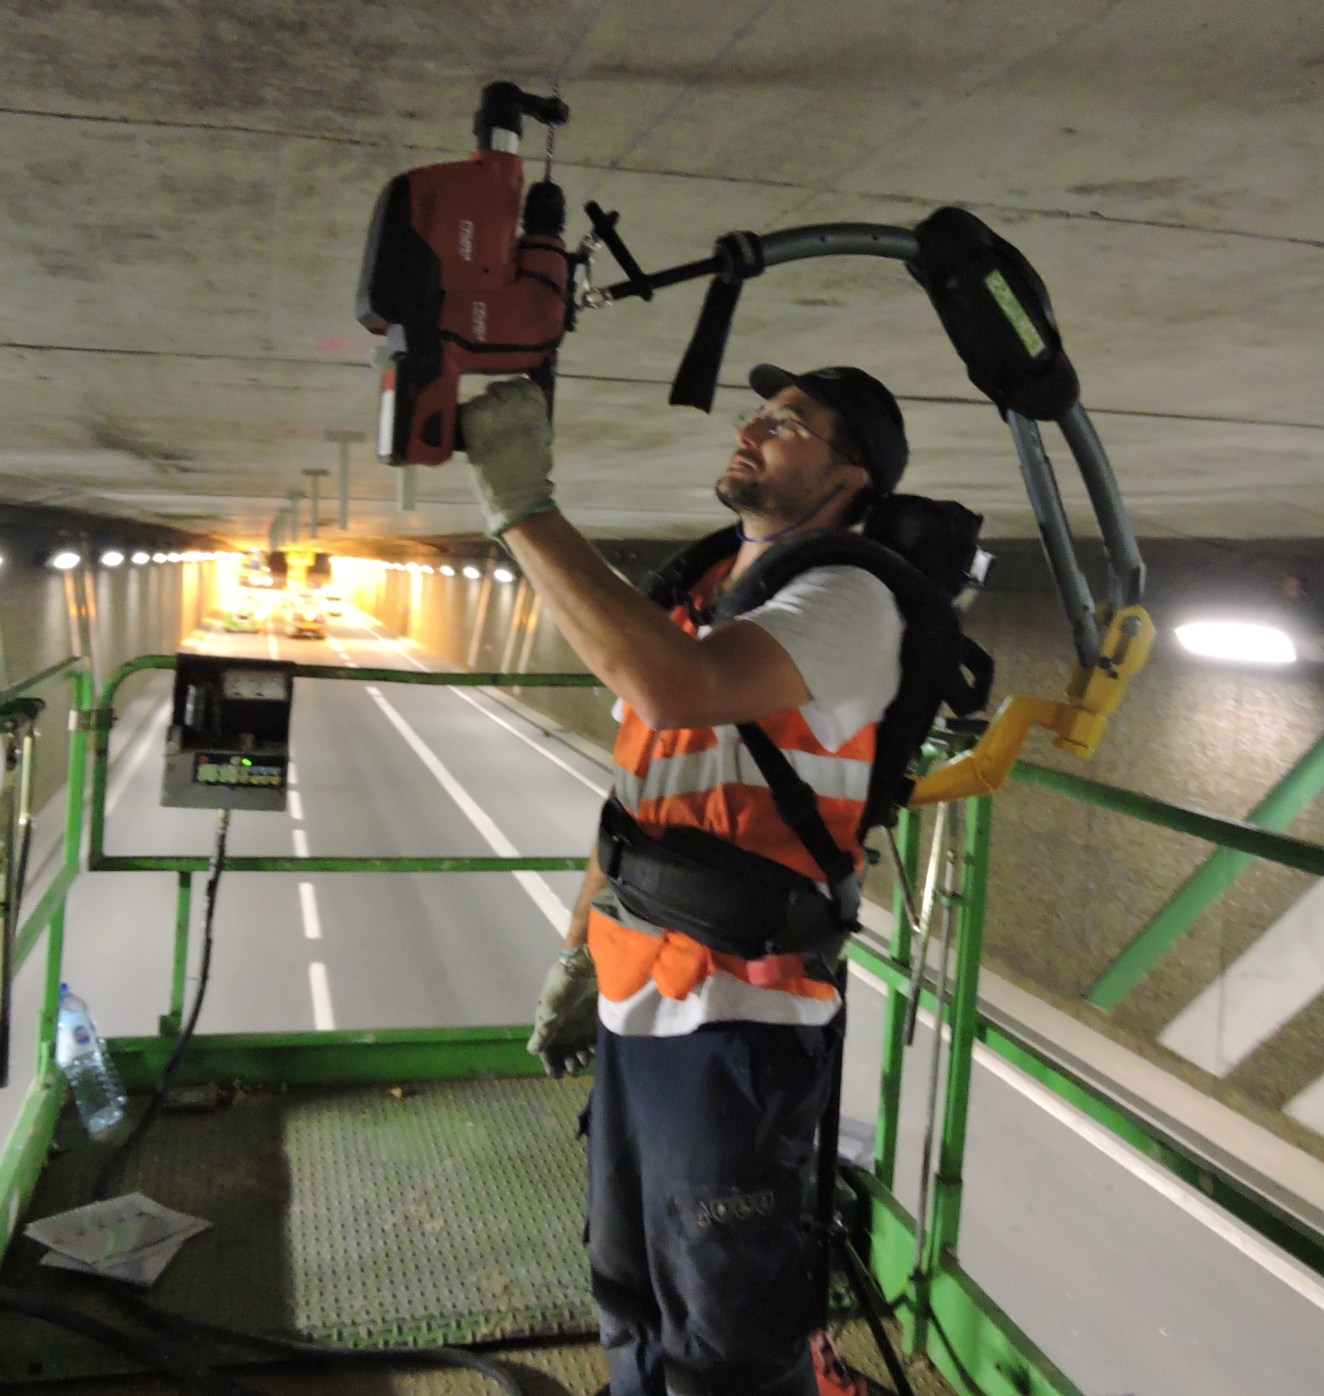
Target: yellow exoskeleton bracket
column 1079, row 724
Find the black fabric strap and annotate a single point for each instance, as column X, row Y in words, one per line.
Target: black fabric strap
column 696, row 378
column 798, row 806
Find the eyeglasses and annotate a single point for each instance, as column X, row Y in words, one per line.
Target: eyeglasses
column 783, row 424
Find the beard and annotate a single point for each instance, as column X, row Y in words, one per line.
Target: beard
column 742, row 494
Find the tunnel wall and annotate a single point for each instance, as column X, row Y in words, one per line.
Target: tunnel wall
column 1069, row 885
column 132, row 610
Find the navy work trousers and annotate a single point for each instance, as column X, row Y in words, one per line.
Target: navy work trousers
column 701, row 1168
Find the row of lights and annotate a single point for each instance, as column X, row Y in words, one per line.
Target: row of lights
column 500, row 574
column 67, row 559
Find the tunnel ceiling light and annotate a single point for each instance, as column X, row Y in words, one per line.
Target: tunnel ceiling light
column 504, row 574
column 472, row 572
column 112, row 557
column 429, row 570
column 140, row 558
column 447, row 570
column 412, row 567
column 1242, row 642
column 158, row 557
column 65, row 559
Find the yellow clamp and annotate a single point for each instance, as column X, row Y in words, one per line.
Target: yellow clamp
column 1078, row 724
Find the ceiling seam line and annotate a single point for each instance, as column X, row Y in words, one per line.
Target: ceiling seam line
column 742, row 31
column 1090, row 216
column 926, row 398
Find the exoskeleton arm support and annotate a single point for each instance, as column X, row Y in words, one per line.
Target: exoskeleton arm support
column 997, row 313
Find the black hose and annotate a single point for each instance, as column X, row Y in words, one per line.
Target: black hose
column 195, row 1376
column 110, row 1175
column 197, row 1329
column 191, row 1375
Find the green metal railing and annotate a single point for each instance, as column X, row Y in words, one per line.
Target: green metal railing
column 944, row 1314
column 186, row 867
column 293, row 1058
column 25, row 1150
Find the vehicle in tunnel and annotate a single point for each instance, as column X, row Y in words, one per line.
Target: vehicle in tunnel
column 242, row 617
column 304, row 618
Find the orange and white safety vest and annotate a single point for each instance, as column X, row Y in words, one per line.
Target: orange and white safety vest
column 659, row 982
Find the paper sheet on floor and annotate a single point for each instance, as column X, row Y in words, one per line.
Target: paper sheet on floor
column 127, row 1238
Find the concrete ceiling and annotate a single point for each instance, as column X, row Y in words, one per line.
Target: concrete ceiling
column 185, row 184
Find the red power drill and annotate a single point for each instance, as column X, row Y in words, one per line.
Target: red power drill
column 454, row 286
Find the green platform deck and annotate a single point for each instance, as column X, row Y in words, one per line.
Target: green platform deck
column 452, row 1214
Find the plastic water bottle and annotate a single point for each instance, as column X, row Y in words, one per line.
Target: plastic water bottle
column 80, row 1053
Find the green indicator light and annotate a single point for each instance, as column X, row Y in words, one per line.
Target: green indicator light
column 244, row 761
column 1016, row 314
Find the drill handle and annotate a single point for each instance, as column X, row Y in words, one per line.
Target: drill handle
column 504, row 107
column 551, row 111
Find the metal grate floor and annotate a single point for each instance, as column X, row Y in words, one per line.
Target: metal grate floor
column 450, row 1213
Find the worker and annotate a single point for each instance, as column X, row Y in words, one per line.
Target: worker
column 712, row 1070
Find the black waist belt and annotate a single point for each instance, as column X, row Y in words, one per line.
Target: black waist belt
column 732, row 901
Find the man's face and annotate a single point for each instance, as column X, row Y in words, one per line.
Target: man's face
column 782, row 465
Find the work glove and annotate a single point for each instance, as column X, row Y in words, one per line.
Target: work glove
column 565, row 1023
column 508, row 438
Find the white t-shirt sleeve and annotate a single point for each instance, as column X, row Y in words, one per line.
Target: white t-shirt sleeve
column 842, row 629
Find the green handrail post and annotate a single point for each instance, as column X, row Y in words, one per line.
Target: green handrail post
column 1302, row 784
column 80, row 708
column 170, row 1023
column 945, row 1227
column 908, row 828
column 24, row 1152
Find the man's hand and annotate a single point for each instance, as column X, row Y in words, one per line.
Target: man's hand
column 565, row 1023
column 509, row 442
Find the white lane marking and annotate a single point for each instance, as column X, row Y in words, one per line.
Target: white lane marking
column 312, row 922
column 294, row 801
column 528, row 741
column 291, row 773
column 1261, row 991
column 501, row 722
column 272, row 648
column 543, row 897
column 300, row 843
column 324, row 1020
column 1196, row 1206
column 1307, row 1106
column 143, row 743
column 395, row 644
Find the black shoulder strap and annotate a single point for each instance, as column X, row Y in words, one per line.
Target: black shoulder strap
column 798, row 807
column 670, row 585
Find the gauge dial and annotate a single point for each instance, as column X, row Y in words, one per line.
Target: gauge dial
column 255, row 683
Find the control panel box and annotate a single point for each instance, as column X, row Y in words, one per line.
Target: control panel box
column 228, row 745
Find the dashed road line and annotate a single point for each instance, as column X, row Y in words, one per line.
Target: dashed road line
column 312, row 922
column 324, row 1019
column 300, row 843
column 294, row 803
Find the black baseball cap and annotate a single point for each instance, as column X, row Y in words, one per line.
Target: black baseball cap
column 862, row 401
